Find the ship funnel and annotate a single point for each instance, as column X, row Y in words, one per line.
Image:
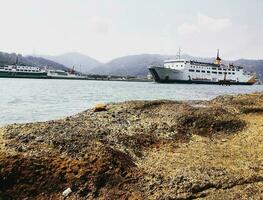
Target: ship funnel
column 218, row 59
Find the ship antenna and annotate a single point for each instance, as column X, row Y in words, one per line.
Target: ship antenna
column 16, row 60
column 179, row 53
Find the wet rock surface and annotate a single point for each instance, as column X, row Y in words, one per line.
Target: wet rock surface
column 139, row 150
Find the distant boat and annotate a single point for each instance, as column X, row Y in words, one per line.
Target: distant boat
column 17, row 71
column 183, row 71
column 60, row 74
column 21, row 71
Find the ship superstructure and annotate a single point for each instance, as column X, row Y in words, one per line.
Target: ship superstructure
column 21, row 71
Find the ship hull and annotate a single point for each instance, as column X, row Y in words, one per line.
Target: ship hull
column 164, row 75
column 40, row 75
column 7, row 74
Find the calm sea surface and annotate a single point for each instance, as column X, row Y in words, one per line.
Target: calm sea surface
column 30, row 100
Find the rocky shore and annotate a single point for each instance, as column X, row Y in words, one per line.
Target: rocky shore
column 139, row 150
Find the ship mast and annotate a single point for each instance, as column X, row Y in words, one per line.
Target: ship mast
column 179, row 54
column 16, row 60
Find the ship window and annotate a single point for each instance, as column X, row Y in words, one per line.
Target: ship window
column 224, row 69
column 229, row 69
column 208, row 72
column 191, row 70
column 214, row 72
column 203, row 71
column 197, row 70
column 219, row 72
column 238, row 70
column 181, row 65
column 214, row 68
column 233, row 73
column 229, row 72
column 233, row 69
column 219, row 69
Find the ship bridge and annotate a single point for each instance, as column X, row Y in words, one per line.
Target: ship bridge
column 175, row 64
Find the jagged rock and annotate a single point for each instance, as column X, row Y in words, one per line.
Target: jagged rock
column 139, row 150
column 100, row 107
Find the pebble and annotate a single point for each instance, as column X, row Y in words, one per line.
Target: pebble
column 67, row 192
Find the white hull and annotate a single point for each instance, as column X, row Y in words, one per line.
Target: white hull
column 190, row 72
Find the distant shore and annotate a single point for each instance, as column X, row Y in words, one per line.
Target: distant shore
column 87, row 78
column 139, row 150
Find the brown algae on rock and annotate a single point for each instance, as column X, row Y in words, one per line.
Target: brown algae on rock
column 139, row 150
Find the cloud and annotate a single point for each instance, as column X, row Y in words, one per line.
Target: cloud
column 205, row 23
column 188, row 29
column 213, row 23
column 106, row 29
column 98, row 25
column 207, row 34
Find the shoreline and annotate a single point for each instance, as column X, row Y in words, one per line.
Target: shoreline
column 139, row 150
column 84, row 79
column 135, row 80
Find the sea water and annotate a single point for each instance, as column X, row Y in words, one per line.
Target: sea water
column 31, row 100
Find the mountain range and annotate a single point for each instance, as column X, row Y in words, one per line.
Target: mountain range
column 79, row 61
column 11, row 58
column 132, row 65
column 136, row 65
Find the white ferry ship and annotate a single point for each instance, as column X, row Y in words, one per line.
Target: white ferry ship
column 183, row 71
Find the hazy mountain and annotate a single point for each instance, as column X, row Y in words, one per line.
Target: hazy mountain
column 252, row 65
column 81, row 62
column 42, row 62
column 133, row 65
column 10, row 58
column 136, row 65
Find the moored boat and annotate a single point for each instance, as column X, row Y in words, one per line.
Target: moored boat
column 60, row 74
column 189, row 71
column 21, row 71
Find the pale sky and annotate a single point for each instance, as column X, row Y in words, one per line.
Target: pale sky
column 106, row 29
